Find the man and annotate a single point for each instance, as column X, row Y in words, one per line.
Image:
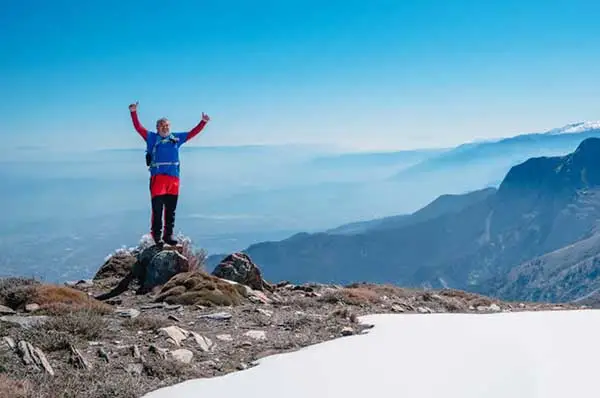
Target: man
column 162, row 158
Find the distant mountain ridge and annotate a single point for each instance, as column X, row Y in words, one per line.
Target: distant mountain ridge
column 542, row 205
column 518, row 147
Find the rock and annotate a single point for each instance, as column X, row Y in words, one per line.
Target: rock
column 116, row 266
column 303, row 288
column 135, row 351
column 347, row 331
column 256, row 334
column 238, row 267
column 6, row 311
column 397, row 308
column 174, row 334
column 128, row 313
column 161, row 352
column 34, row 356
column 258, row 297
column 114, row 301
column 174, row 318
column 424, row 310
column 218, row 316
column 159, row 266
column 173, row 307
column 10, row 342
column 242, row 366
column 266, row 313
column 80, row 284
column 183, row 355
column 203, row 342
column 135, row 368
column 224, row 337
column 78, row 359
column 32, row 307
column 25, row 321
column 495, row 307
column 152, row 306
column 103, row 354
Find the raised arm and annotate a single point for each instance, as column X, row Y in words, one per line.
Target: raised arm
column 136, row 121
column 196, row 130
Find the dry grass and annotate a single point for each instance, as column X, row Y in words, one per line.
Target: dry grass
column 104, row 382
column 166, row 368
column 145, row 322
column 459, row 294
column 351, row 296
column 58, row 332
column 345, row 313
column 191, row 288
column 385, row 289
column 55, row 300
column 11, row 388
column 85, row 324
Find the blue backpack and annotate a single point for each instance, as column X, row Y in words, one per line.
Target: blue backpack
column 168, row 161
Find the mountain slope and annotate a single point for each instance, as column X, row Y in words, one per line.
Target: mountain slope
column 542, row 205
column 444, row 204
column 569, row 273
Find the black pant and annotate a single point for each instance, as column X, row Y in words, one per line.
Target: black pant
column 166, row 204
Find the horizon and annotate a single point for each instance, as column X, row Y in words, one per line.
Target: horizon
column 376, row 77
column 328, row 148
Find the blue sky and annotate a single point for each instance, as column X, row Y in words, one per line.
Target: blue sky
column 365, row 75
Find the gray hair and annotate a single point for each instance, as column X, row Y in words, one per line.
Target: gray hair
column 162, row 119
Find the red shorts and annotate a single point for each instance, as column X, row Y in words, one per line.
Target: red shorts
column 162, row 184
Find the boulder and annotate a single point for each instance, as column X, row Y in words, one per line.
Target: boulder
column 156, row 265
column 116, row 266
column 238, row 267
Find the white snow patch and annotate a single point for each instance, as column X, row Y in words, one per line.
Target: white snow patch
column 576, row 128
column 526, row 354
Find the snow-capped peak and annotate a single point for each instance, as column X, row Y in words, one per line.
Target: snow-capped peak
column 573, row 128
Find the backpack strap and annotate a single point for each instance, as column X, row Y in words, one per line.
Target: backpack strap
column 160, row 140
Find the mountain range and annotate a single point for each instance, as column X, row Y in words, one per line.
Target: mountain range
column 534, row 237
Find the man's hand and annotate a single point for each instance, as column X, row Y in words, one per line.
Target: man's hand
column 133, row 107
column 205, row 117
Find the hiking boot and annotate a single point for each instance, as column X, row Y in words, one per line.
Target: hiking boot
column 170, row 241
column 157, row 240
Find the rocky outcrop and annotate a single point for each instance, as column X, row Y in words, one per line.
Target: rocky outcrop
column 153, row 267
column 238, row 267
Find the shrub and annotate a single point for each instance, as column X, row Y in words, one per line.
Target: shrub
column 196, row 257
column 351, row 296
column 145, row 322
column 11, row 286
column 54, row 299
column 84, row 323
